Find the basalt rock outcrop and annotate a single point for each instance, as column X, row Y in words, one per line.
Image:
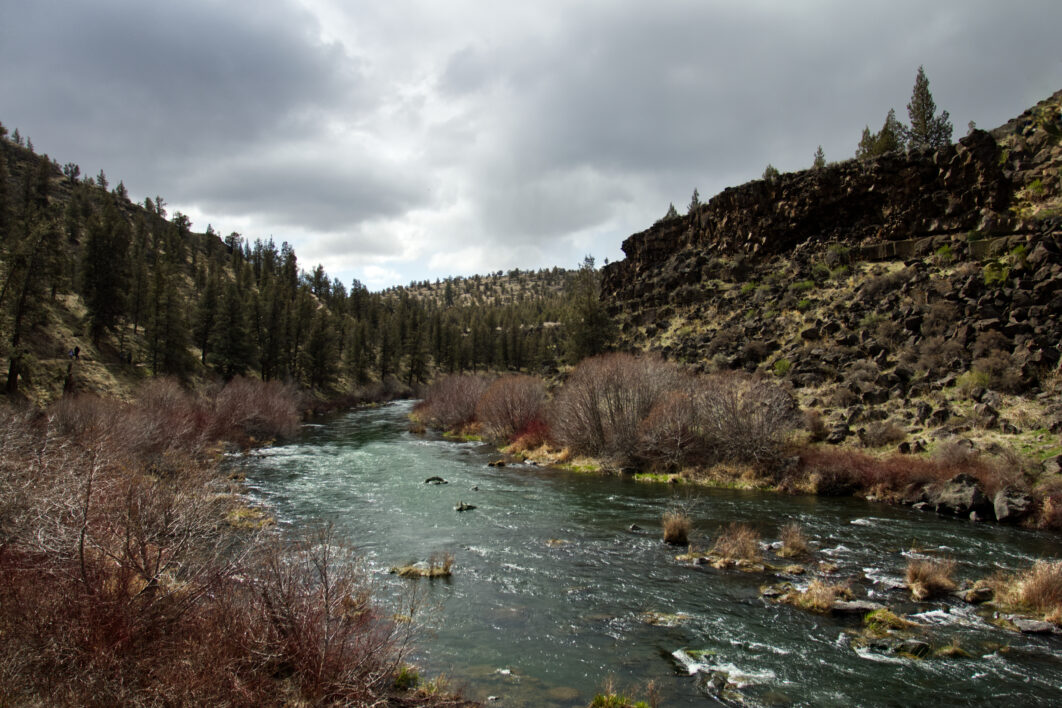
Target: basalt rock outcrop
column 779, row 273
column 883, row 207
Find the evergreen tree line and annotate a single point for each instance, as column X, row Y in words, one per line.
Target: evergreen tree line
column 176, row 302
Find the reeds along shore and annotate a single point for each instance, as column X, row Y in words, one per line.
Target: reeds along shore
column 642, row 413
column 124, row 585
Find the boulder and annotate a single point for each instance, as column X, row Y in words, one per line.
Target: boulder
column 1011, row 504
column 837, row 434
column 859, row 607
column 461, row 506
column 1033, row 626
column 435, row 480
column 978, row 595
column 961, row 495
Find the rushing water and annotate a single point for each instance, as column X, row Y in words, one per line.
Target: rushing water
column 551, row 587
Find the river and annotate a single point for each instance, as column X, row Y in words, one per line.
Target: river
column 552, row 592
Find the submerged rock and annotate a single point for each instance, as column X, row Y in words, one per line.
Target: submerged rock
column 421, row 570
column 855, row 606
column 461, row 506
column 1034, row 626
column 435, row 480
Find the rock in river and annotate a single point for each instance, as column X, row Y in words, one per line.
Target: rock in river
column 435, row 480
column 461, row 506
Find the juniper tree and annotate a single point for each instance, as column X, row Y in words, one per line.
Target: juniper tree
column 820, row 159
column 888, row 139
column 927, row 129
column 695, row 201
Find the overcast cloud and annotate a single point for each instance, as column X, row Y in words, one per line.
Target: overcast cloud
column 413, row 139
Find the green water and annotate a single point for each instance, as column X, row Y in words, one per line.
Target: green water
column 535, row 623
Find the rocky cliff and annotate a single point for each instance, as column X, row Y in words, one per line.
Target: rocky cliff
column 971, row 190
column 900, row 290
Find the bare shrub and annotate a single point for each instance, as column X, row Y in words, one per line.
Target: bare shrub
column 876, row 287
column 928, row 578
column 815, row 424
column 794, row 543
column 120, row 583
column 881, row 433
column 939, row 318
column 510, row 405
column 260, row 410
column 316, row 618
column 600, row 407
column 738, row 542
column 676, row 524
column 1002, row 374
column 935, row 354
column 450, row 402
column 744, row 418
column 669, row 435
column 989, row 342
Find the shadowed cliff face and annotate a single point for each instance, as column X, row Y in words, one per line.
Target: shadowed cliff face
column 899, row 196
column 978, row 188
column 918, row 289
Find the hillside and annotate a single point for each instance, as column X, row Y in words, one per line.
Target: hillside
column 909, row 299
column 136, row 293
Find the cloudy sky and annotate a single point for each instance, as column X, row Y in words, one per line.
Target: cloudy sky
column 404, row 140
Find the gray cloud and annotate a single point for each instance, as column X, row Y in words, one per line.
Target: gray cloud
column 395, row 140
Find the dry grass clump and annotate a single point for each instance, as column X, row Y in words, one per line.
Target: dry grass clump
column 928, row 578
column 1037, row 590
column 738, row 542
column 794, row 542
column 676, row 527
column 818, row 597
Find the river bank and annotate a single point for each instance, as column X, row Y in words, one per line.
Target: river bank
column 561, row 579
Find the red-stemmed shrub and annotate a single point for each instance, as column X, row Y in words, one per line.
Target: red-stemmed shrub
column 510, row 405
column 256, row 409
column 450, row 402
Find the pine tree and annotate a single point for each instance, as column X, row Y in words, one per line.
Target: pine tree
column 819, row 160
column 232, row 346
column 770, row 173
column 695, row 202
column 105, row 270
column 590, row 329
column 927, row 130
column 888, row 139
column 206, row 315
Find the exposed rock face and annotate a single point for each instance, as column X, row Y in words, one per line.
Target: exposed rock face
column 873, row 203
column 783, row 276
